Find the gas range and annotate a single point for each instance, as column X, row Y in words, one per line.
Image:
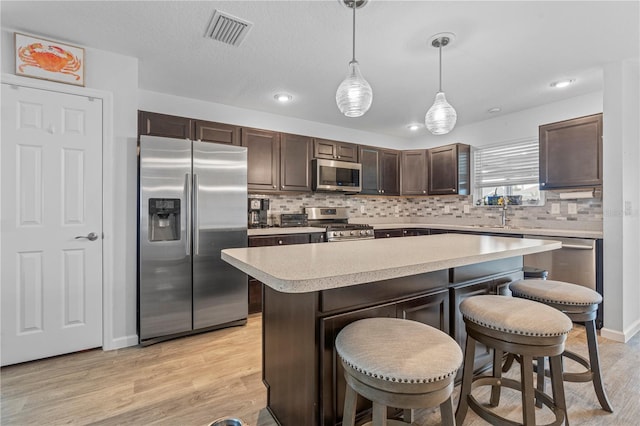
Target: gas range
column 335, row 220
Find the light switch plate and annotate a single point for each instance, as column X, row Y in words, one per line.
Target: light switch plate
column 466, row 209
column 362, row 210
column 628, row 209
column 396, row 209
column 555, row 208
column 446, row 209
column 573, row 208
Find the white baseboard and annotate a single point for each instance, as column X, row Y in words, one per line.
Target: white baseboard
column 622, row 337
column 121, row 342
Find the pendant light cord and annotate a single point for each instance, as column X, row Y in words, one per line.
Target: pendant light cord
column 440, row 50
column 354, row 4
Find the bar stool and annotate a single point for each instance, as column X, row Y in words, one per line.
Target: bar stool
column 523, row 327
column 397, row 363
column 580, row 304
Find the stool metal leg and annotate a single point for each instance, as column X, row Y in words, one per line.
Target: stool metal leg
column 446, row 413
column 497, row 373
column 379, row 414
column 349, row 411
column 557, row 386
column 528, row 394
column 467, row 378
column 594, row 361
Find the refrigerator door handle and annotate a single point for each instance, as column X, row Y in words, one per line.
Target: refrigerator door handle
column 196, row 223
column 187, row 197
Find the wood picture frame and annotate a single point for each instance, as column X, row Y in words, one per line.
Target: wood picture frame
column 48, row 60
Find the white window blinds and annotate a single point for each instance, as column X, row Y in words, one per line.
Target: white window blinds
column 513, row 163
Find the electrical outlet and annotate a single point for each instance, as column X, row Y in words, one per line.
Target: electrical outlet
column 572, row 208
column 466, row 209
column 555, row 208
column 396, row 209
column 446, row 208
column 362, row 209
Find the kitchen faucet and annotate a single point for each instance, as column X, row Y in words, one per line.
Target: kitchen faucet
column 503, row 219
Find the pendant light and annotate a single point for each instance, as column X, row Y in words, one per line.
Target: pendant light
column 441, row 117
column 354, row 95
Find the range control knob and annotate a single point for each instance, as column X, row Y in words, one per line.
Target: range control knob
column 363, row 232
column 353, row 232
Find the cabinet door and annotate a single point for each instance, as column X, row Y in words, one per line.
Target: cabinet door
column 432, row 310
column 332, row 382
column 347, row 152
column 295, row 163
column 335, row 150
column 387, row 233
column 571, row 153
column 153, row 124
column 263, row 159
column 390, row 172
column 448, row 169
column 317, row 237
column 413, row 173
column 369, row 158
column 208, row 131
column 414, row 232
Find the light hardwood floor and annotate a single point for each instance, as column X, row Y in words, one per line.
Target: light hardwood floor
column 197, row 379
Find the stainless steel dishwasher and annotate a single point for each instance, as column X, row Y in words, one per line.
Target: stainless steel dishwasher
column 579, row 261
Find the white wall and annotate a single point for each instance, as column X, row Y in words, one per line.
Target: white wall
column 118, row 75
column 621, row 200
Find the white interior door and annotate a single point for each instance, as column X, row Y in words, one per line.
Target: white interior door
column 51, row 215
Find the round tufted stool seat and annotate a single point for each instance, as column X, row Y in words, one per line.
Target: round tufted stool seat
column 523, row 327
column 580, row 304
column 397, row 363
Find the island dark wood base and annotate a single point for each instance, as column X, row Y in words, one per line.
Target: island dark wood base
column 304, row 378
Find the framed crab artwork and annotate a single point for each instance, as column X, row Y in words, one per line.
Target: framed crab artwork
column 49, row 60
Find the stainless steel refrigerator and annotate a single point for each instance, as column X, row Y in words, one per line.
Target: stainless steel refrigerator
column 192, row 204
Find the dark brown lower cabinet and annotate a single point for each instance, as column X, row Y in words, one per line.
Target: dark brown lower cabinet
column 387, row 233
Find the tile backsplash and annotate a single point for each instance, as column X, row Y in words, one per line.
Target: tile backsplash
column 557, row 213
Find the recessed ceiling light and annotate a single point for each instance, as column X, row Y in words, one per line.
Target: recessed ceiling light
column 413, row 127
column 283, row 97
column 494, row 110
column 562, row 83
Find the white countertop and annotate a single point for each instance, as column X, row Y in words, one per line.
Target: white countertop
column 322, row 266
column 547, row 232
column 280, row 231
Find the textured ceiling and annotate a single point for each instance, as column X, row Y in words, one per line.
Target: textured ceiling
column 505, row 53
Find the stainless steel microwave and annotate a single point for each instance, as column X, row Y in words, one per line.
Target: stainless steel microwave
column 341, row 176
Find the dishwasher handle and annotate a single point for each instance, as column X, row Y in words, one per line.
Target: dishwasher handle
column 577, row 247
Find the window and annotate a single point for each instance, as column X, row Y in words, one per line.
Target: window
column 507, row 169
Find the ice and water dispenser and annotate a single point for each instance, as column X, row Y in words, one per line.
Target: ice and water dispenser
column 164, row 219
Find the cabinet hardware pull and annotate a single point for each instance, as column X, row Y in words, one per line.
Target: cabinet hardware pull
column 274, row 187
column 279, row 241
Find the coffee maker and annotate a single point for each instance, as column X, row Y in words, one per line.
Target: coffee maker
column 258, row 208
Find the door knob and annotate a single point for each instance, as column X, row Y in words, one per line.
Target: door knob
column 92, row 236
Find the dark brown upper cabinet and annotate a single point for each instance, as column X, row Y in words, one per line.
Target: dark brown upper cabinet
column 380, row 171
column 413, row 173
column 263, row 159
column 448, row 170
column 295, row 162
column 208, row 131
column 335, row 150
column 170, row 126
column 571, row 153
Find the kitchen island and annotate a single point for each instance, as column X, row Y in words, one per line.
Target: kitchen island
column 312, row 291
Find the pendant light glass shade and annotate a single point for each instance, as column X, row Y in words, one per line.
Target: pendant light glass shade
column 441, row 117
column 354, row 95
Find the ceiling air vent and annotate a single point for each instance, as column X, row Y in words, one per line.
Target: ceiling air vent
column 227, row 28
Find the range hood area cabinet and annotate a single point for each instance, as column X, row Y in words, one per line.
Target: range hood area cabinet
column 278, row 161
column 335, row 150
column 380, row 171
column 571, row 153
column 448, row 170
